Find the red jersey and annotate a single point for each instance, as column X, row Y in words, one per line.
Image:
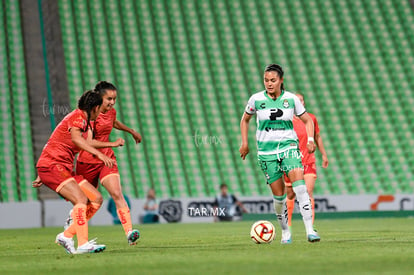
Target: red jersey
column 300, row 130
column 102, row 129
column 60, row 148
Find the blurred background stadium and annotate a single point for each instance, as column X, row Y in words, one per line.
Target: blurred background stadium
column 185, row 70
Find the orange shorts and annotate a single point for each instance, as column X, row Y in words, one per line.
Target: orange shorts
column 94, row 171
column 308, row 169
column 56, row 176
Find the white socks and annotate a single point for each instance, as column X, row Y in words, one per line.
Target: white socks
column 279, row 203
column 305, row 206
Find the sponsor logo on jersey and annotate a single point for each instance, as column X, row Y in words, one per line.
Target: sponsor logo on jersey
column 286, row 103
column 275, row 113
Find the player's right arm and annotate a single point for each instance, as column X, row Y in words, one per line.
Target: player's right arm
column 244, row 127
column 104, row 144
column 79, row 141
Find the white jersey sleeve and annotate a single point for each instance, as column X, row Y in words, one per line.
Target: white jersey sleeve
column 251, row 106
column 299, row 108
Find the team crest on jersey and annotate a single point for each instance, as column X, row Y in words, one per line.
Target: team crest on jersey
column 286, row 103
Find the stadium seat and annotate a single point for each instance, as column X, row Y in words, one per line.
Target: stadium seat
column 185, row 75
column 17, row 162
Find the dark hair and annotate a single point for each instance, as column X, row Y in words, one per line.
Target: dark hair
column 88, row 101
column 102, row 86
column 223, row 185
column 275, row 68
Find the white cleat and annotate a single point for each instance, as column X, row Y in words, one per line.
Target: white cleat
column 286, row 237
column 313, row 237
column 90, row 247
column 67, row 243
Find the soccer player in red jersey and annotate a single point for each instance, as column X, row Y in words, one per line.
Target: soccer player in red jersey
column 308, row 161
column 55, row 168
column 92, row 169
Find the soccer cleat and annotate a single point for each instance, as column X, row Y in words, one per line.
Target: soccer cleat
column 90, row 247
column 286, row 237
column 67, row 243
column 68, row 221
column 133, row 236
column 312, row 238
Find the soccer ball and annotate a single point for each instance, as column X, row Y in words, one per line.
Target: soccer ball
column 262, row 232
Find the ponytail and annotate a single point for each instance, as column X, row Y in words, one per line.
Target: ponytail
column 88, row 101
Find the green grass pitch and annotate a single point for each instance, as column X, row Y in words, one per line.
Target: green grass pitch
column 348, row 246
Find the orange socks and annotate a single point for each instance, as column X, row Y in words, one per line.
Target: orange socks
column 125, row 218
column 290, row 206
column 91, row 209
column 80, row 223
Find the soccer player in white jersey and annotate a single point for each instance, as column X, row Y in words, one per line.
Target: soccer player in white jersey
column 278, row 146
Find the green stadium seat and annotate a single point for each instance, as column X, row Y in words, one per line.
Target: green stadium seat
column 210, row 56
column 17, row 164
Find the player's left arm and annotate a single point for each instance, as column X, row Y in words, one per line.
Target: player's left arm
column 120, row 126
column 321, row 148
column 300, row 111
column 319, row 143
column 310, row 130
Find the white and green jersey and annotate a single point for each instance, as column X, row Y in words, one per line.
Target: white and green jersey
column 275, row 133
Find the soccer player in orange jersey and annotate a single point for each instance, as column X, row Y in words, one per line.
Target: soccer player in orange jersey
column 308, row 161
column 55, row 168
column 92, row 169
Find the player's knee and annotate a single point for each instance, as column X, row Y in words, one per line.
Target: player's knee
column 117, row 196
column 80, row 199
column 290, row 193
column 300, row 189
column 98, row 199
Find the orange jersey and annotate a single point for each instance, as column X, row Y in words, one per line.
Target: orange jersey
column 102, row 129
column 300, row 130
column 60, row 148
